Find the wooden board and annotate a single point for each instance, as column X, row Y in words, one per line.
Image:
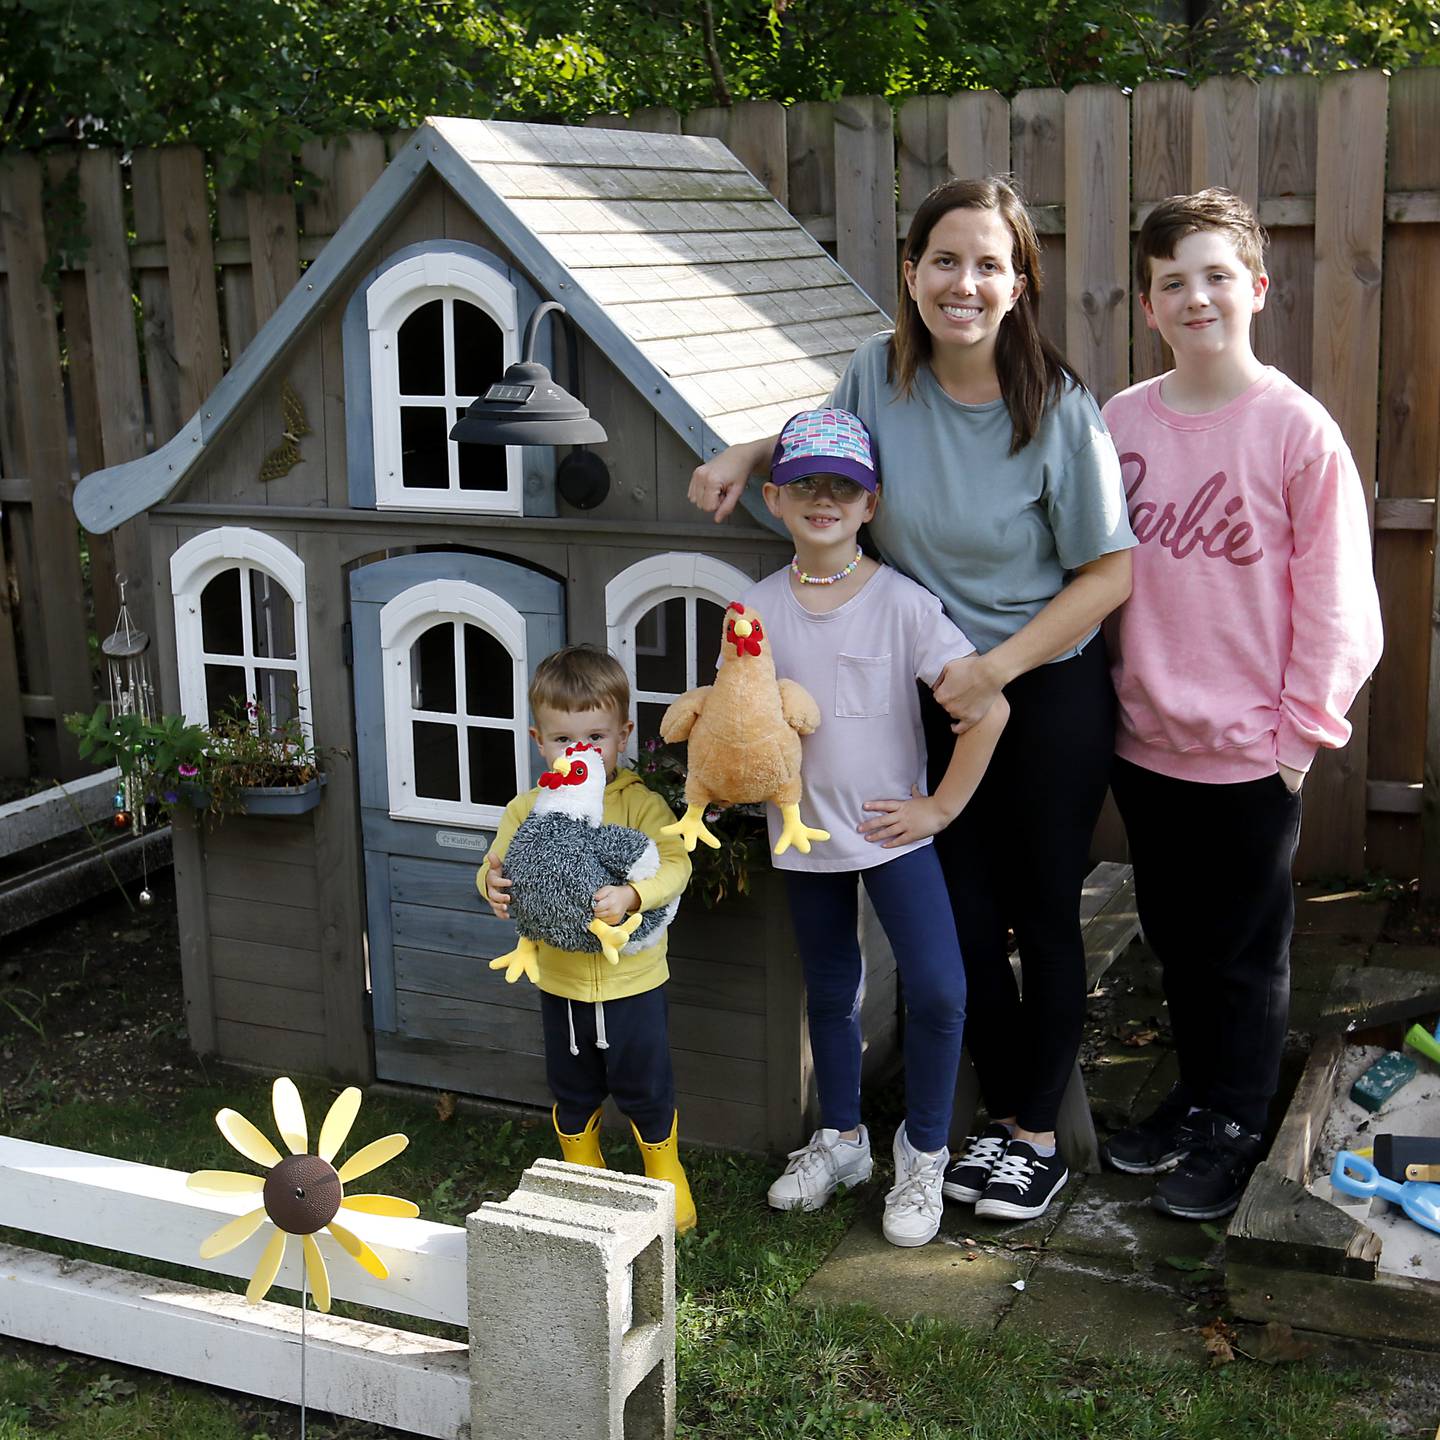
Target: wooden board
column 810, row 162
column 1161, row 117
column 1349, row 220
column 977, row 134
column 1097, row 242
column 190, row 258
column 1225, row 136
column 865, row 196
column 152, row 281
column 921, row 149
column 1037, row 149
column 275, row 1006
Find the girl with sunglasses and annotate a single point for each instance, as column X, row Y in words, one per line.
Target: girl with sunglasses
column 858, row 635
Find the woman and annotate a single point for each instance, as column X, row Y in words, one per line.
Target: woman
column 1003, row 497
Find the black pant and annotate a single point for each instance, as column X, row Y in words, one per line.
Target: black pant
column 634, row 1068
column 1017, row 857
column 1217, row 905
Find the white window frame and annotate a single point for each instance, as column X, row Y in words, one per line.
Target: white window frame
column 677, row 574
column 389, row 302
column 402, row 621
column 192, row 567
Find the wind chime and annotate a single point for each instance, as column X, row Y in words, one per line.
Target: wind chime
column 131, row 693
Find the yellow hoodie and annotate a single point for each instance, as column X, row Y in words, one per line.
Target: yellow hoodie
column 579, row 976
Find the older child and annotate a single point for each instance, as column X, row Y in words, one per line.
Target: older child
column 1252, row 624
column 857, row 635
column 605, row 1027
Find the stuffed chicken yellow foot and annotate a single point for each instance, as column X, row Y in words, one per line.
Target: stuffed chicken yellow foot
column 743, row 734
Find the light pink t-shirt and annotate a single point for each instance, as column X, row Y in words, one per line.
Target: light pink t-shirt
column 860, row 662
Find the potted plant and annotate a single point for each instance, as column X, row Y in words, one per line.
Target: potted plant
column 245, row 762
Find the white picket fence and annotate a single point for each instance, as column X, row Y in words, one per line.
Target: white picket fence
column 371, row 1372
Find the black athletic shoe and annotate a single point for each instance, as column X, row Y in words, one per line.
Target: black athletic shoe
column 1022, row 1184
column 1158, row 1143
column 965, row 1179
column 1212, row 1177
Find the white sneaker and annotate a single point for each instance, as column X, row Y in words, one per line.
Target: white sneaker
column 912, row 1208
column 816, row 1169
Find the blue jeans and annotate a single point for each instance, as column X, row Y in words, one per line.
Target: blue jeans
column 910, row 899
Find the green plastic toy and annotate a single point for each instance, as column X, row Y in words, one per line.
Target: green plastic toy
column 1419, row 1038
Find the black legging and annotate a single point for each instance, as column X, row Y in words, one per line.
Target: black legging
column 1017, row 858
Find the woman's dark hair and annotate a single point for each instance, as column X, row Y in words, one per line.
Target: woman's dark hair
column 1033, row 374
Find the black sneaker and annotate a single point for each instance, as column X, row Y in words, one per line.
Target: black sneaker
column 979, row 1155
column 1212, row 1177
column 1158, row 1143
column 1022, row 1184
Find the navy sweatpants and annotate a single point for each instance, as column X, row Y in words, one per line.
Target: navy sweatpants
column 909, row 896
column 634, row 1068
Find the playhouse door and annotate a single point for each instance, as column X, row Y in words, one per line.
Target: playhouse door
column 445, row 645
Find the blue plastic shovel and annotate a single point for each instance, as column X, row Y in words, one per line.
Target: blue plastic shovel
column 1420, row 1200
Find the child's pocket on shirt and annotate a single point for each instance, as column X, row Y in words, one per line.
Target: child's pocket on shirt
column 862, row 686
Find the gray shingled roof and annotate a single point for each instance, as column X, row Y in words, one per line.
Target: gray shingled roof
column 700, row 287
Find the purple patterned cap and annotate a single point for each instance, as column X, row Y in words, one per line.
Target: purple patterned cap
column 824, row 442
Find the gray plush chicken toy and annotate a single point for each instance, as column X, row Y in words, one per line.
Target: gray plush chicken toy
column 560, row 855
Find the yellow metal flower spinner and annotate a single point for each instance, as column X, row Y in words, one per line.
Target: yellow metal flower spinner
column 301, row 1193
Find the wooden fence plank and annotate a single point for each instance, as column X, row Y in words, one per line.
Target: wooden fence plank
column 1097, row 211
column 14, row 761
column 120, row 402
column 810, row 161
column 274, row 242
column 1349, row 224
column 41, row 406
column 865, row 196
column 152, row 281
column 1402, row 745
column 1284, row 329
column 922, row 150
column 757, row 138
column 977, row 134
column 190, row 255
column 1225, row 137
column 1037, row 150
column 1161, row 119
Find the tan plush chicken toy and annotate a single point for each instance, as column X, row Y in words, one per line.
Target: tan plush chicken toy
column 744, row 738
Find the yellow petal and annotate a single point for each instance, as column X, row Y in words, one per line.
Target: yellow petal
column 246, row 1138
column 336, row 1128
column 318, row 1275
column 381, row 1205
column 372, row 1156
column 267, row 1269
column 231, row 1234
column 290, row 1115
column 363, row 1255
column 225, row 1182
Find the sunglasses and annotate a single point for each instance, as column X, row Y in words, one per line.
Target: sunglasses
column 840, row 490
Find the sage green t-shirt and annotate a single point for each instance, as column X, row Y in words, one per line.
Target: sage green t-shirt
column 994, row 535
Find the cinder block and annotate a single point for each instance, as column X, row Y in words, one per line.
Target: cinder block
column 572, row 1308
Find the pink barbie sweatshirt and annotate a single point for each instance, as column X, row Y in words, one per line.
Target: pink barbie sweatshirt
column 1254, row 620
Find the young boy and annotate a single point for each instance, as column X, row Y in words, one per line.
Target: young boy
column 605, row 1026
column 1251, row 626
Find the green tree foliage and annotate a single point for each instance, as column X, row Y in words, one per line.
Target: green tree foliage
column 246, row 77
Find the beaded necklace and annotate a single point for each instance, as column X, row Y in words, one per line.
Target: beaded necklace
column 805, row 578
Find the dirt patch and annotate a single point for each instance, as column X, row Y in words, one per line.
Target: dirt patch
column 91, row 1005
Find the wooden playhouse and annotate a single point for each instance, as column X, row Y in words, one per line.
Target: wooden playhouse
column 319, row 544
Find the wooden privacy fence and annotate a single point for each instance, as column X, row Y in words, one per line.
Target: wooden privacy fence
column 1343, row 170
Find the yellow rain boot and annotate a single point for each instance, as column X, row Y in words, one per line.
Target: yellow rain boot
column 662, row 1162
column 584, row 1148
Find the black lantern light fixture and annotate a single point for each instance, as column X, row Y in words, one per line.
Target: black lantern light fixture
column 526, row 406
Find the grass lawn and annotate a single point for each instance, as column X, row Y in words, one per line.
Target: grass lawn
column 751, row 1364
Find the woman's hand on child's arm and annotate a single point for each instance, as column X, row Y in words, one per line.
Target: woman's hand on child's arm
column 966, row 689
column 497, row 888
column 903, row 822
column 718, row 484
column 612, row 903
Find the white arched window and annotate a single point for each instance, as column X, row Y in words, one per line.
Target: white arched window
column 443, row 326
column 240, row 634
column 663, row 617
column 454, row 662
